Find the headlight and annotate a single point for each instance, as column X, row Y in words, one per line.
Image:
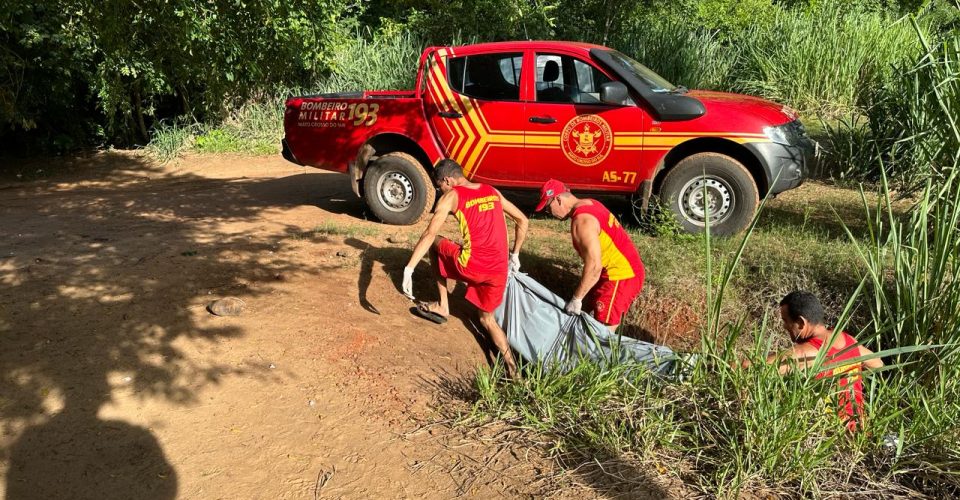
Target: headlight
column 778, row 135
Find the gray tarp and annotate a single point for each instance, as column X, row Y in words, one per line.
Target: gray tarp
column 539, row 330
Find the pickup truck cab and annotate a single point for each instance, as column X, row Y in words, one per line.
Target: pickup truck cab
column 515, row 114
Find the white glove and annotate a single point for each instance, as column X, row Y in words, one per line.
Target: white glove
column 573, row 307
column 514, row 262
column 408, row 282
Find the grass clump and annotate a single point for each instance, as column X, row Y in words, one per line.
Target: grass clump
column 254, row 128
column 329, row 228
column 170, row 139
column 385, row 61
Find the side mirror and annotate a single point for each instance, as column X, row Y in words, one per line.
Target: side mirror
column 613, row 93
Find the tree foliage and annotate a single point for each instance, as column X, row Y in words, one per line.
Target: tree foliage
column 75, row 72
column 120, row 65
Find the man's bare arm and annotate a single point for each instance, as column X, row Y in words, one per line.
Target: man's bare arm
column 444, row 208
column 803, row 356
column 520, row 220
column 586, row 236
column 873, row 363
column 800, row 356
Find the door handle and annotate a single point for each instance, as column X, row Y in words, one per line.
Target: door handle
column 450, row 114
column 542, row 119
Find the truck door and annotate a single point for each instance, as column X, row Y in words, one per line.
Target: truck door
column 474, row 104
column 574, row 137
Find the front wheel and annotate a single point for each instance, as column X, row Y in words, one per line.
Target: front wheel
column 714, row 187
column 398, row 189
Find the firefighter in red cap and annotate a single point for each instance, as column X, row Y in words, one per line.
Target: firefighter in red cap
column 612, row 270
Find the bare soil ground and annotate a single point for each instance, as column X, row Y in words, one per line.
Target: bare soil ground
column 118, row 383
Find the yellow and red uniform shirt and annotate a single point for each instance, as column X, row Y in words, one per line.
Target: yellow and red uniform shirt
column 849, row 399
column 484, row 230
column 618, row 256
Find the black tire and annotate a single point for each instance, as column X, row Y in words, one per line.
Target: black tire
column 398, row 189
column 732, row 196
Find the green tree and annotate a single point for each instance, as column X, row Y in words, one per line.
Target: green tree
column 120, row 66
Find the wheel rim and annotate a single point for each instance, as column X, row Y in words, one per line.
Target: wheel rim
column 395, row 191
column 706, row 196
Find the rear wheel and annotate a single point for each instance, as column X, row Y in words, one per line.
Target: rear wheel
column 398, row 189
column 711, row 186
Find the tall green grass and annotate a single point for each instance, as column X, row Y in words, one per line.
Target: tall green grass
column 914, row 277
column 728, row 431
column 909, row 131
column 254, row 128
column 695, row 58
column 386, row 61
column 821, row 59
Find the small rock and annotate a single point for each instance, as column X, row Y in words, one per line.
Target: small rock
column 312, row 403
column 344, row 253
column 127, row 379
column 397, row 238
column 272, row 366
column 227, row 306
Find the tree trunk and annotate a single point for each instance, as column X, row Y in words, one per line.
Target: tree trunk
column 187, row 110
column 139, row 110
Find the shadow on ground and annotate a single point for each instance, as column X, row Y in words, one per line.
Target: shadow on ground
column 84, row 321
column 393, row 260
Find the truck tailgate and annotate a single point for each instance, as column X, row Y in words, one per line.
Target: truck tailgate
column 328, row 130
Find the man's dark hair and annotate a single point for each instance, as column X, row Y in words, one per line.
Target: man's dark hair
column 802, row 303
column 447, row 168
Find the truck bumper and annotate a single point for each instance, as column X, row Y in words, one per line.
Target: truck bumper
column 287, row 153
column 784, row 166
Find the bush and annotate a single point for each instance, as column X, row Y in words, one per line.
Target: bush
column 386, row 61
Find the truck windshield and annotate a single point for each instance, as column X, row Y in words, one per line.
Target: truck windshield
column 646, row 75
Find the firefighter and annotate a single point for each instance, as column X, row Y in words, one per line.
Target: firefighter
column 803, row 319
column 482, row 261
column 612, row 270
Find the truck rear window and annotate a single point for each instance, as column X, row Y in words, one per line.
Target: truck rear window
column 487, row 76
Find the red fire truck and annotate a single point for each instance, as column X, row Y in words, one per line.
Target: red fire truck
column 515, row 114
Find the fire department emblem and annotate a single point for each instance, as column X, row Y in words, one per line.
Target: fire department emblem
column 586, row 140
column 600, row 307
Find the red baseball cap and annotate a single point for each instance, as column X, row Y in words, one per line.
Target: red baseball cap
column 549, row 191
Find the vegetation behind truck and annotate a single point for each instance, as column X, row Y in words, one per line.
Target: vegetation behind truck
column 515, row 114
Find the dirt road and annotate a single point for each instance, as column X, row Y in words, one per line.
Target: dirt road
column 117, row 383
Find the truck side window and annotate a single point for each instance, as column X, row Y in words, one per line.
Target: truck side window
column 565, row 79
column 487, row 76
